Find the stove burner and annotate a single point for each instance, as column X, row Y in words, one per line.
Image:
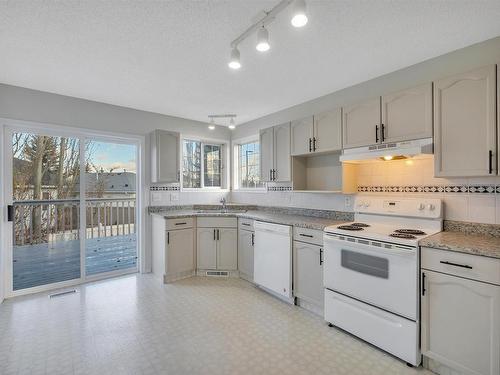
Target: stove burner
column 410, row 231
column 360, row 225
column 349, row 227
column 403, row 235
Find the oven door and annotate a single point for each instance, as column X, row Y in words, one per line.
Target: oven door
column 381, row 274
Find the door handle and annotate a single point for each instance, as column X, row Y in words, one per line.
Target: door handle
column 218, row 235
column 270, row 175
column 314, row 144
column 320, row 257
column 274, row 174
column 168, row 238
column 215, row 238
column 490, row 161
column 376, row 133
column 10, row 212
column 423, row 283
column 253, row 239
column 382, row 132
column 310, row 144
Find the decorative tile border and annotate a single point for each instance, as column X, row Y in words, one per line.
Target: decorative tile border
column 165, row 188
column 279, row 188
column 452, row 189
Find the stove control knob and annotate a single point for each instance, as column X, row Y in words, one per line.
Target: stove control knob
column 421, row 206
column 431, row 207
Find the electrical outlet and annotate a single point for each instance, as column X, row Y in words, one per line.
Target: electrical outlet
column 348, row 202
column 174, row 197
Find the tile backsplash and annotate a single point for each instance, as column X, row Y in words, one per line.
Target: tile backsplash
column 465, row 199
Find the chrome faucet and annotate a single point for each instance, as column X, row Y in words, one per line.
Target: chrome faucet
column 223, row 202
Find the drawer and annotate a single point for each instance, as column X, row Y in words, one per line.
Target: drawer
column 475, row 267
column 245, row 224
column 308, row 235
column 182, row 223
column 217, row 222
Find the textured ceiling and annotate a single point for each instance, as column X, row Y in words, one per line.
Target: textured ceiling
column 171, row 56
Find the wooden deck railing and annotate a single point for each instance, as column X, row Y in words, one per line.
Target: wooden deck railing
column 41, row 221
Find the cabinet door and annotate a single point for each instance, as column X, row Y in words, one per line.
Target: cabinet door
column 245, row 253
column 302, row 136
column 227, row 249
column 165, row 149
column 308, row 273
column 282, row 158
column 461, row 323
column 464, row 124
column 360, row 123
column 206, row 245
column 407, row 114
column 266, row 153
column 328, row 131
column 180, row 251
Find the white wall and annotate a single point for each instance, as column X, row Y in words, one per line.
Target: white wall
column 32, row 105
column 465, row 207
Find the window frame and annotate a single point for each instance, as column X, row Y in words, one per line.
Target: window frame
column 224, row 162
column 236, row 144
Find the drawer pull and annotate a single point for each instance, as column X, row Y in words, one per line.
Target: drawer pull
column 246, row 224
column 180, row 223
column 306, row 235
column 456, row 264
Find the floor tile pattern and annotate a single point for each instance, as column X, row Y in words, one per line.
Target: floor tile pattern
column 136, row 325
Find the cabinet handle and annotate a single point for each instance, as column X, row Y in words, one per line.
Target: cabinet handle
column 274, row 174
column 314, row 144
column 215, row 236
column 382, row 132
column 253, row 239
column 10, row 212
column 455, row 264
column 270, row 175
column 376, row 133
column 168, row 238
column 245, row 224
column 218, row 235
column 490, row 155
column 306, row 235
column 320, row 257
column 180, row 223
column 310, row 144
column 423, row 283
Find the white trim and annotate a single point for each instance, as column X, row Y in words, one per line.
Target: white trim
column 235, row 144
column 7, row 126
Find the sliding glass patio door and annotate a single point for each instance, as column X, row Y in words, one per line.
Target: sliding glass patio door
column 73, row 208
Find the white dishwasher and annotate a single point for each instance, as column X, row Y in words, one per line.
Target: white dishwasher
column 273, row 257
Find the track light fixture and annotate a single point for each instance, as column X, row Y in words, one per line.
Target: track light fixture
column 231, row 118
column 299, row 17
column 262, row 40
column 234, row 62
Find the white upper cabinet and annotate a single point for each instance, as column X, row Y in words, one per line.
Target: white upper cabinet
column 266, row 154
column 275, row 159
column 165, row 165
column 407, row 114
column 465, row 124
column 361, row 123
column 328, row 131
column 282, row 159
column 302, row 136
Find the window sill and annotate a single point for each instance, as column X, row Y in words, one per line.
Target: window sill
column 255, row 190
column 204, row 190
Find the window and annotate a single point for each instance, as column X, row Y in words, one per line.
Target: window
column 201, row 159
column 249, row 165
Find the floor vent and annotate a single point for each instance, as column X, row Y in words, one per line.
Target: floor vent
column 218, row 273
column 63, row 293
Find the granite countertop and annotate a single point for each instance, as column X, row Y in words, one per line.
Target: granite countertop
column 476, row 244
column 302, row 221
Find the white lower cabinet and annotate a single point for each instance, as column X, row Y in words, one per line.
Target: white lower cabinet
column 217, row 242
column 308, row 272
column 460, row 319
column 245, row 254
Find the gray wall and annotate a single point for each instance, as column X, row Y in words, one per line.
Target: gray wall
column 480, row 54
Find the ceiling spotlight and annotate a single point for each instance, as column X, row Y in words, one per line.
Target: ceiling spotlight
column 212, row 125
column 231, row 123
column 234, row 61
column 262, row 40
column 299, row 17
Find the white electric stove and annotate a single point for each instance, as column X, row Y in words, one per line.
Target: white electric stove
column 371, row 271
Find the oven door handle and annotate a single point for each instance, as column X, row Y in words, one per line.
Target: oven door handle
column 360, row 247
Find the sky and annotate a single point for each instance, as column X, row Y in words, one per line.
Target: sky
column 114, row 155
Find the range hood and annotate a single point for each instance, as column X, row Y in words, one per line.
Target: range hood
column 388, row 151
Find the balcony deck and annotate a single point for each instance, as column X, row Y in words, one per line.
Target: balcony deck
column 57, row 261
